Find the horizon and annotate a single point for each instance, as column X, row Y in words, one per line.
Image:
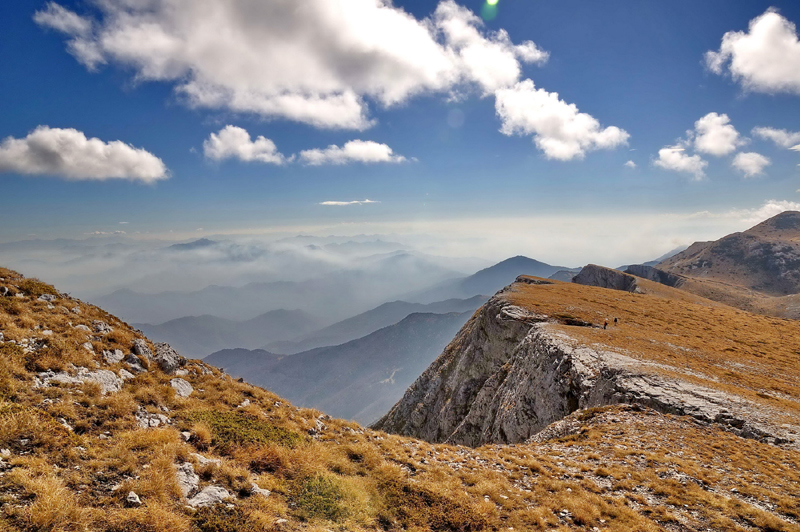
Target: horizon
column 568, row 133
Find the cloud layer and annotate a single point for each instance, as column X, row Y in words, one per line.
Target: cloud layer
column 68, row 154
column 557, row 127
column 314, row 62
column 751, row 164
column 715, row 135
column 781, row 137
column 675, row 158
column 766, row 58
column 323, row 62
column 233, row 142
column 358, row 151
column 345, row 203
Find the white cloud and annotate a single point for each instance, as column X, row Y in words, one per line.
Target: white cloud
column 233, row 142
column 766, row 58
column 67, row 153
column 716, row 135
column 795, row 148
column 675, row 158
column 358, row 151
column 317, row 62
column 630, row 164
column 558, row 128
column 768, row 210
column 751, row 164
column 781, row 137
column 343, row 203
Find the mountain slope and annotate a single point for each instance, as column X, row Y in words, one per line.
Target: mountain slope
column 370, row 321
column 199, row 336
column 538, row 351
column 85, row 445
column 756, row 270
column 489, row 280
column 360, row 379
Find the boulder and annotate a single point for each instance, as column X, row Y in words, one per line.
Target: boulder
column 113, row 357
column 210, row 496
column 82, row 327
column 126, row 375
column 593, row 275
column 108, row 380
column 188, row 481
column 167, row 358
column 181, row 387
column 134, row 363
column 132, row 499
column 47, row 297
column 140, row 348
column 101, row 327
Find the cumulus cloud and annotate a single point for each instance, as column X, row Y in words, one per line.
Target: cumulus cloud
column 233, row 142
column 344, row 203
column 354, row 151
column 768, row 210
column 766, row 58
column 558, row 128
column 68, row 154
column 750, row 163
column 782, row 137
column 675, row 158
column 630, row 164
column 317, row 62
column 715, row 135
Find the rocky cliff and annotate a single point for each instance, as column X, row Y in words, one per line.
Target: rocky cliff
column 523, row 362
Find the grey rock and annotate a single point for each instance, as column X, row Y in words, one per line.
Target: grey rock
column 82, row 327
column 186, row 435
column 132, row 499
column 255, row 490
column 88, row 346
column 181, row 387
column 654, row 274
column 3, row 291
column 140, row 348
column 126, row 375
column 101, row 327
column 1, row 337
column 593, row 275
column 167, row 358
column 146, row 419
column 47, row 297
column 508, row 374
column 108, row 380
column 113, row 357
column 209, row 497
column 203, row 461
column 188, row 481
column 134, row 363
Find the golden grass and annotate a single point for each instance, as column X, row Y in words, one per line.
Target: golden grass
column 751, row 355
column 622, row 470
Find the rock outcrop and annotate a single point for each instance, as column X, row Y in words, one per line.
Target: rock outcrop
column 600, row 276
column 510, row 373
column 654, row 274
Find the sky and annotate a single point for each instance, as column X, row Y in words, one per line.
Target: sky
column 572, row 131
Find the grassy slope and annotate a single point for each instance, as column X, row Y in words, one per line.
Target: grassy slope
column 615, row 469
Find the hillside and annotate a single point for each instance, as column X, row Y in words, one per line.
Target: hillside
column 757, row 269
column 199, row 336
column 370, row 321
column 488, row 280
column 538, row 351
column 358, row 380
column 152, row 442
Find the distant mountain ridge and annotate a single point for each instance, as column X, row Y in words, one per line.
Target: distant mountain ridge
column 198, row 336
column 371, row 321
column 358, row 380
column 488, row 280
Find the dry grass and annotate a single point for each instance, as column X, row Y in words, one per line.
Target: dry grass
column 750, row 355
column 620, row 469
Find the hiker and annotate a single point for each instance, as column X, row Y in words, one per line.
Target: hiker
column 615, row 322
column 605, row 324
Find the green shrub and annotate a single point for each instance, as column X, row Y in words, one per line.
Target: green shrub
column 239, row 429
column 321, row 497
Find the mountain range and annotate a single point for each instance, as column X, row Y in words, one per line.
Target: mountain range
column 358, row 380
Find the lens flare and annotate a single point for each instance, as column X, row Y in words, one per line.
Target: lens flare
column 492, row 2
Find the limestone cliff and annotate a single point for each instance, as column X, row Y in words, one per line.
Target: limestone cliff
column 516, row 368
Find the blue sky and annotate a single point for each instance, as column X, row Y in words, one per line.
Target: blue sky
column 636, row 66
